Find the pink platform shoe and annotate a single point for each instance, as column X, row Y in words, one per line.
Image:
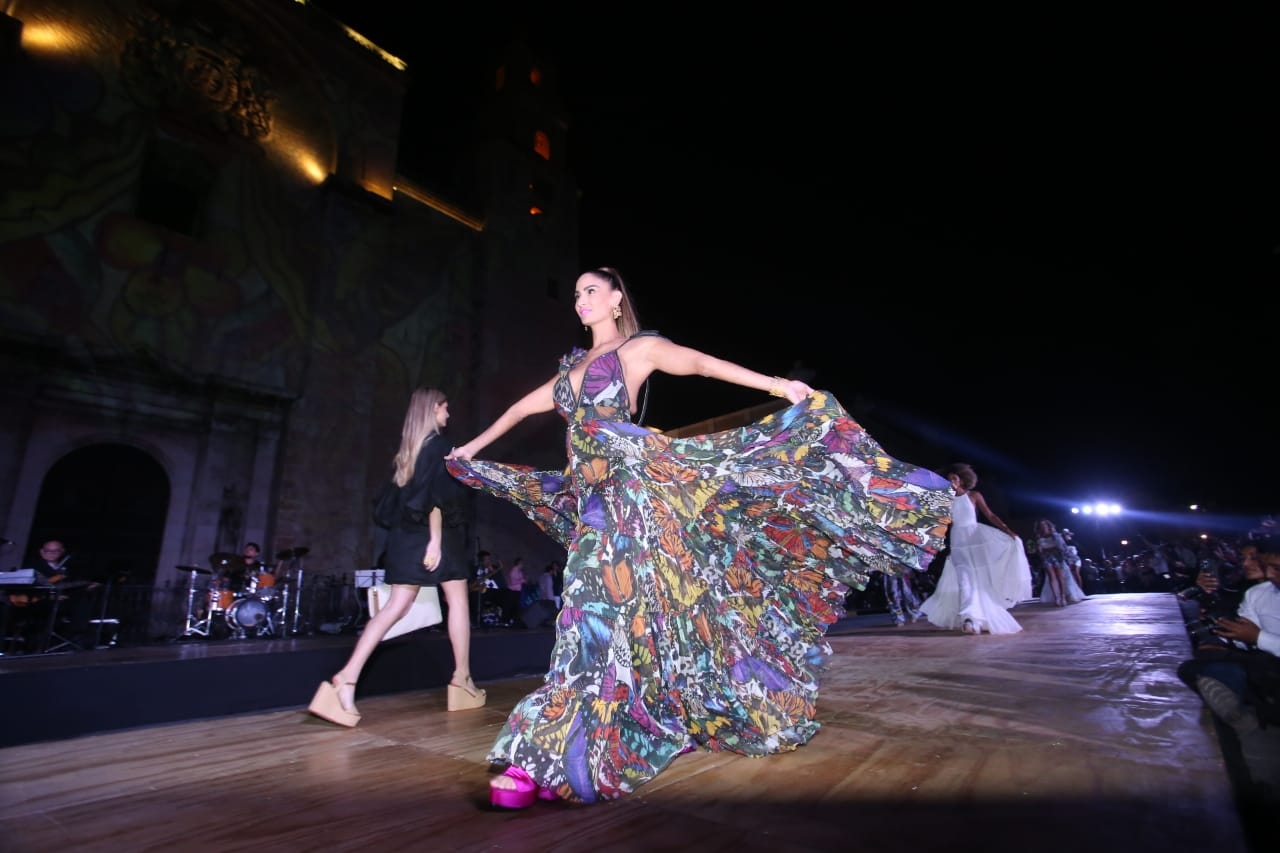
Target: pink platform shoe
column 525, row 793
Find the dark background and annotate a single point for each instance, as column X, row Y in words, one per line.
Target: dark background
column 1043, row 243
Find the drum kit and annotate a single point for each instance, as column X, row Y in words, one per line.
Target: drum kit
column 242, row 600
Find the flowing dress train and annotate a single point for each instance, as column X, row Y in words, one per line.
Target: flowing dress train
column 984, row 574
column 700, row 578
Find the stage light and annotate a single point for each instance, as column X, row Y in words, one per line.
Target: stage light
column 1098, row 511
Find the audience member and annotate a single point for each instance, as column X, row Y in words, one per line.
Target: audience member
column 1241, row 684
column 1090, row 579
column 546, row 585
column 1217, row 593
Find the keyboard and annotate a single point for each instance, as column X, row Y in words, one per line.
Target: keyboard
column 21, row 577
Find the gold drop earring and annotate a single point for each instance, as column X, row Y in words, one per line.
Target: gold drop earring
column 617, row 312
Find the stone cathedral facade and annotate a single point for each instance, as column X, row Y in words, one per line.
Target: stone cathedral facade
column 217, row 288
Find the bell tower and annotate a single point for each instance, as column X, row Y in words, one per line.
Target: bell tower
column 528, row 195
column 529, row 262
column 529, row 202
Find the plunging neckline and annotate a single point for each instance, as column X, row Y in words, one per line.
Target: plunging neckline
column 586, row 368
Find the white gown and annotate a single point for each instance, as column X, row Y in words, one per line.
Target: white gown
column 986, row 572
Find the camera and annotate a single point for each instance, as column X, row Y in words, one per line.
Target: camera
column 1202, row 631
column 1195, row 593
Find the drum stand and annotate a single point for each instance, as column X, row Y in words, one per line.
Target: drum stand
column 291, row 623
column 104, row 620
column 269, row 628
column 195, row 627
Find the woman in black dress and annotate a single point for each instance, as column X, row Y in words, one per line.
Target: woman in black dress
column 422, row 550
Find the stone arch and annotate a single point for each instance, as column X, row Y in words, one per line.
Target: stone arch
column 108, row 502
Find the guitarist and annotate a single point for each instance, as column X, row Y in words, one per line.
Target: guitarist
column 485, row 574
column 50, row 569
column 73, row 594
column 29, row 612
column 53, row 561
column 484, row 586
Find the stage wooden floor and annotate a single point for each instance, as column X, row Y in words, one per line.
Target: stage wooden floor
column 1074, row 735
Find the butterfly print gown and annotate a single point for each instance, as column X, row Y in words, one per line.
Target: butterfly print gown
column 700, row 578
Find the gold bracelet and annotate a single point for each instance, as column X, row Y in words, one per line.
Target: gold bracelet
column 775, row 390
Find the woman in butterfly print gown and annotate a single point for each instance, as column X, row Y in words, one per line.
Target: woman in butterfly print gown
column 701, row 573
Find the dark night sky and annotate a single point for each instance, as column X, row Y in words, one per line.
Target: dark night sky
column 1044, row 244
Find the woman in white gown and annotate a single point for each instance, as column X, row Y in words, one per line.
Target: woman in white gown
column 986, row 570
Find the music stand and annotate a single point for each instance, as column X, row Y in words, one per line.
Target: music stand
column 366, row 579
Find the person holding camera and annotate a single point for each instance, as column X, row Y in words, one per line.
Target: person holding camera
column 1218, row 590
column 1240, row 683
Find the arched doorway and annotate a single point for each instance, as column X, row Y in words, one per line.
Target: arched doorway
column 107, row 503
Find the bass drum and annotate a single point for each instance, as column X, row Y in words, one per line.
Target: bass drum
column 249, row 614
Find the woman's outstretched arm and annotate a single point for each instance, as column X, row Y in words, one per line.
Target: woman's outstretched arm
column 661, row 354
column 540, row 399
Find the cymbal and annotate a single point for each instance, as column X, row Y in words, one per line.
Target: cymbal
column 293, row 552
column 223, row 558
column 195, row 569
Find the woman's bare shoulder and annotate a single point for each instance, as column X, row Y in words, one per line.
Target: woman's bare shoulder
column 644, row 346
column 647, row 338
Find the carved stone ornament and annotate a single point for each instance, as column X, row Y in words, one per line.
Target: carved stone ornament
column 192, row 62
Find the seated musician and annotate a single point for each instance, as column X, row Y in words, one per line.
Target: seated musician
column 485, row 577
column 238, row 575
column 483, row 573
column 253, row 569
column 50, row 568
column 74, row 595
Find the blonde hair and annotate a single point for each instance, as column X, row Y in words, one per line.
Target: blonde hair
column 420, row 426
column 629, row 323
